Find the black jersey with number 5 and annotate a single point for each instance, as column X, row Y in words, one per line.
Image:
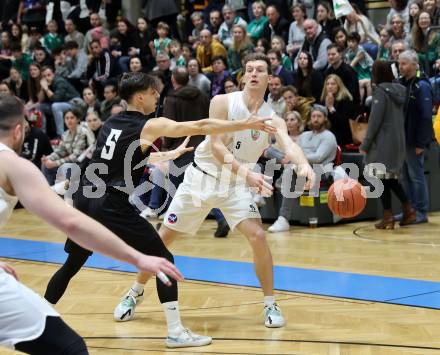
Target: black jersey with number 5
column 118, row 148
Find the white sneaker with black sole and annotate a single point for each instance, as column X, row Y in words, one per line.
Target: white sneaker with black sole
column 125, row 310
column 273, row 318
column 186, row 338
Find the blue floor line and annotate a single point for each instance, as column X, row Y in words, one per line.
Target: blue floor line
column 374, row 288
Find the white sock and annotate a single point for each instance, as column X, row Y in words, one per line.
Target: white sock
column 269, row 301
column 172, row 315
column 137, row 287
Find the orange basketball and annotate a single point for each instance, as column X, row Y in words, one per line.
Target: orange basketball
column 346, row 198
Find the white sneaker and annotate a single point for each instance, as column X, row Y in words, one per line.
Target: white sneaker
column 59, row 188
column 273, row 318
column 280, row 225
column 186, row 339
column 124, row 311
column 148, row 213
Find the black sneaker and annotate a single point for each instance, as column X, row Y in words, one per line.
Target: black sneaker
column 222, row 230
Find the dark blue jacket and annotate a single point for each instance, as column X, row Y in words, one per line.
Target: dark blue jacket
column 418, row 112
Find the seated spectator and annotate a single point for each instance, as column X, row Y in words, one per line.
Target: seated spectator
column 296, row 29
column 276, row 25
column 20, row 35
column 384, row 142
column 230, row 19
column 341, row 109
column 5, row 55
column 275, row 98
column 42, row 57
column 76, row 64
column 275, row 59
column 384, row 52
column 91, row 127
column 361, row 62
column 278, row 44
column 101, row 70
column 164, row 67
column 5, row 88
column 73, row 143
column 326, row 19
column 197, row 79
column 397, row 48
column 91, row 102
column 340, row 36
column 111, row 98
column 207, row 50
column 144, row 35
column 241, row 43
column 432, row 7
column 162, row 42
column 73, row 35
column 414, row 10
column 135, row 65
column 21, row 60
column 427, row 48
column 57, row 93
column 319, row 146
column 316, row 44
column 262, row 46
column 36, row 144
column 230, row 85
column 215, row 21
column 256, row 26
column 197, row 20
column 343, row 70
column 398, row 32
column 187, row 52
column 52, row 39
column 34, row 87
column 307, row 80
column 18, row 86
column 400, row 8
column 357, row 22
column 176, row 51
column 218, row 76
column 96, row 29
column 294, row 102
column 127, row 39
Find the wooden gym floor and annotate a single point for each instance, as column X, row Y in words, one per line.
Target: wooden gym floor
column 232, row 314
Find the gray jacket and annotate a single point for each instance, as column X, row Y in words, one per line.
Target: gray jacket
column 385, row 139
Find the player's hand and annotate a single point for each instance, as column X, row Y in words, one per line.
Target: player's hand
column 306, row 171
column 260, row 183
column 182, row 149
column 260, row 124
column 8, row 269
column 159, row 266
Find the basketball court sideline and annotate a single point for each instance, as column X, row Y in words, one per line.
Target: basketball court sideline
column 346, row 289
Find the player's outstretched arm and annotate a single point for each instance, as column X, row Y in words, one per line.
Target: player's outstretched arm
column 34, row 193
column 162, row 126
column 294, row 152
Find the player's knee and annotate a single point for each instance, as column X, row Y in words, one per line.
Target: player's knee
column 258, row 237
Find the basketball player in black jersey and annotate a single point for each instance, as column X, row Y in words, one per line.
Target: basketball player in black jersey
column 123, row 145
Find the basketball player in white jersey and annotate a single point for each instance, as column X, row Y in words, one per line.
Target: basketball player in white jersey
column 205, row 187
column 27, row 322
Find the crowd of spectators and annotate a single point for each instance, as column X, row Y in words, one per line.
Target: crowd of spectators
column 63, row 58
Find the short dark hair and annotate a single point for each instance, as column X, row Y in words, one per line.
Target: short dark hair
column 220, row 57
column 277, row 53
column 113, row 87
column 71, row 45
column 181, row 76
column 354, row 36
column 334, row 46
column 252, row 57
column 77, row 112
column 11, row 112
column 46, row 67
column 274, row 76
column 382, row 72
column 132, row 83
